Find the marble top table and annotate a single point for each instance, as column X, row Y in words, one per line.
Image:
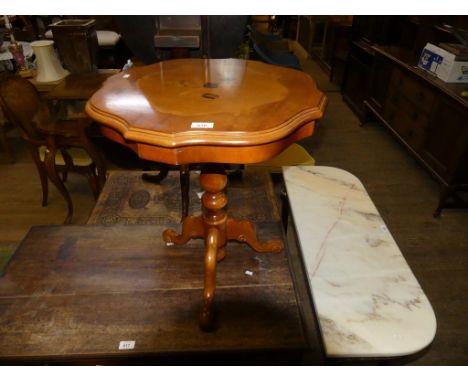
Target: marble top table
column 368, row 301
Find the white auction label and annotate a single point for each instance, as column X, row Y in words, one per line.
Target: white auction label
column 126, row 345
column 202, row 125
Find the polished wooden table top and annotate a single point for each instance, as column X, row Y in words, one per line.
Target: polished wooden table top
column 239, row 103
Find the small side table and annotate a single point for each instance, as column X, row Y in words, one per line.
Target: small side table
column 212, row 112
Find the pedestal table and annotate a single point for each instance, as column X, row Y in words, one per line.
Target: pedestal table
column 211, row 111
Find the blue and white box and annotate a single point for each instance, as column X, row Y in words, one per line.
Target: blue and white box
column 430, row 59
column 443, row 64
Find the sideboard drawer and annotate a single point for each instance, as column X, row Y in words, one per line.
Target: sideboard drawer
column 416, row 91
column 411, row 127
column 446, row 147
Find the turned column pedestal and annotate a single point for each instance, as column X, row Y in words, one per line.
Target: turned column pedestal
column 216, row 227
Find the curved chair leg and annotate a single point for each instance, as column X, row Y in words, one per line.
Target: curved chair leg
column 93, row 181
column 98, row 161
column 68, row 163
column 42, row 175
column 156, row 178
column 49, row 161
column 3, row 139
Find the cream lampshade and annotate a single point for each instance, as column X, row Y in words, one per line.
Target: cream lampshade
column 49, row 68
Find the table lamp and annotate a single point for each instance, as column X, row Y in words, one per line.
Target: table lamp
column 49, row 68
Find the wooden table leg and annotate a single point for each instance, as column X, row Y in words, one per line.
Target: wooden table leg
column 245, row 232
column 216, row 228
column 214, row 201
column 211, row 250
column 184, row 176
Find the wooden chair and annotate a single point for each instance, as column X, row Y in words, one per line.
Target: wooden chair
column 57, row 146
column 4, row 141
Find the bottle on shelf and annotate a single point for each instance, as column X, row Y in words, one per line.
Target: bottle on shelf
column 16, row 49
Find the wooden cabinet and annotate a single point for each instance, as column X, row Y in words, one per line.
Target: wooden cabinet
column 446, row 144
column 328, row 40
column 357, row 76
column 381, row 74
column 407, row 106
column 426, row 115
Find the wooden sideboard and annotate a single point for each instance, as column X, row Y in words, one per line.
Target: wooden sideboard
column 427, row 115
column 357, row 77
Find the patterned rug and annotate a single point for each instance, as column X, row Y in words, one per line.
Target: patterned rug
column 128, row 199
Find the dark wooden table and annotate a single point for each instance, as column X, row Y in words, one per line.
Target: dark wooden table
column 75, row 292
column 71, row 294
column 79, row 86
column 72, row 92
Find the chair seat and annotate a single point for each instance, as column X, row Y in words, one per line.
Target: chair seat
column 294, row 155
column 80, row 156
column 105, row 38
column 281, row 58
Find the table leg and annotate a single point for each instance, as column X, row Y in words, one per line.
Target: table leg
column 214, row 201
column 216, row 227
column 192, row 228
column 184, row 176
column 244, row 231
column 211, row 250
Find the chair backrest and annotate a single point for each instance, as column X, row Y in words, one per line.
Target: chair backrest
column 287, row 60
column 261, row 38
column 180, row 22
column 23, row 106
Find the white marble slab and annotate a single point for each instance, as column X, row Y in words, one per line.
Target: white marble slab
column 367, row 299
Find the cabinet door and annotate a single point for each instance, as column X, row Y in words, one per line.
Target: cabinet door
column 446, row 144
column 381, row 73
column 356, row 82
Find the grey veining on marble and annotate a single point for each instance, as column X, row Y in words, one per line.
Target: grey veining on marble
column 367, row 299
